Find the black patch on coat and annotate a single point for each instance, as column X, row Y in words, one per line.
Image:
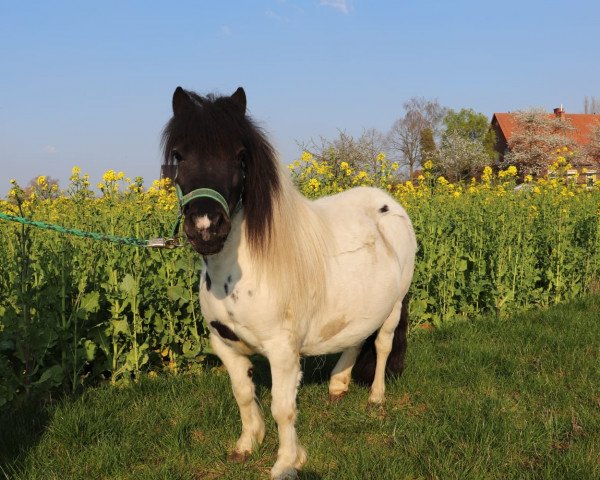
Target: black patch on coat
column 364, row 368
column 226, row 287
column 250, row 293
column 224, row 331
column 234, row 296
column 208, row 282
column 384, row 209
column 251, row 372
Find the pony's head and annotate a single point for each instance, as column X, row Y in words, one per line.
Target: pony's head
column 223, row 162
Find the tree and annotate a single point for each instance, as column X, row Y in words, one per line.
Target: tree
column 43, row 186
column 460, row 158
column 592, row 149
column 360, row 153
column 591, row 105
column 471, row 126
column 428, row 146
column 407, row 137
column 536, row 139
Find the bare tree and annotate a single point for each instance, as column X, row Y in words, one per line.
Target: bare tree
column 43, row 189
column 591, row 105
column 405, row 138
column 360, row 153
column 592, row 149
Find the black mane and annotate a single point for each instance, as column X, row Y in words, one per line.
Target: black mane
column 212, row 123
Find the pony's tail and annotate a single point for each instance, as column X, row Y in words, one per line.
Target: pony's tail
column 364, row 368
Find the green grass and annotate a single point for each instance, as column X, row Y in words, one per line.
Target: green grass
column 500, row 399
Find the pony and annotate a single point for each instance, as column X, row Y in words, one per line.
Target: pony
column 283, row 276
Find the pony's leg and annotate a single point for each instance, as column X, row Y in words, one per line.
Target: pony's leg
column 342, row 373
column 286, row 376
column 383, row 347
column 239, row 368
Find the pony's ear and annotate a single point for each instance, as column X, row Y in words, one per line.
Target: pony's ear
column 181, row 101
column 239, row 99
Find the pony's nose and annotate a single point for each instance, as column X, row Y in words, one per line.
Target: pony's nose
column 206, row 227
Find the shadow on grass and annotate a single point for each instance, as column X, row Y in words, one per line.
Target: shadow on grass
column 315, row 370
column 22, row 426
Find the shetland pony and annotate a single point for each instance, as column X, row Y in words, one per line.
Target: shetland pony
column 284, row 276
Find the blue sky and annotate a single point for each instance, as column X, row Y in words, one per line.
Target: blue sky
column 90, row 83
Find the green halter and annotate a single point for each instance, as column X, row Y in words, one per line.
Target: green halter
column 193, row 195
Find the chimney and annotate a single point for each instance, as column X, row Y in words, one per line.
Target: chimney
column 559, row 112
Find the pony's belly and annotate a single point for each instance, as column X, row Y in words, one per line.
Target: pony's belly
column 359, row 301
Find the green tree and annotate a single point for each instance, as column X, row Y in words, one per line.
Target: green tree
column 471, row 126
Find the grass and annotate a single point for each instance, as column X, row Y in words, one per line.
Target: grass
column 485, row 399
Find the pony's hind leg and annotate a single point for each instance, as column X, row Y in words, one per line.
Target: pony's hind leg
column 342, row 373
column 239, row 368
column 383, row 347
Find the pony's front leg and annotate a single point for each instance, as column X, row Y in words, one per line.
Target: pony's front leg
column 239, row 368
column 286, row 376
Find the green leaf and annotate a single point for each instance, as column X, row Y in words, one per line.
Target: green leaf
column 53, row 376
column 129, row 285
column 90, row 302
column 120, row 326
column 90, row 349
column 177, row 292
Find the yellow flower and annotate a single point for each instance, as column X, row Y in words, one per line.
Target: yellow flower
column 109, row 176
column 528, row 179
column 101, row 186
column 41, row 180
column 381, row 157
column 306, row 156
column 344, row 165
column 75, row 171
column 428, row 165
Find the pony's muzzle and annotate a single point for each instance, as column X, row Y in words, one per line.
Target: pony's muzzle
column 207, row 232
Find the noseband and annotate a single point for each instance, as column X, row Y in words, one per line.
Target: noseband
column 183, row 200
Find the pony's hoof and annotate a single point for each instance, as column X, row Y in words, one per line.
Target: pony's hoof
column 376, row 409
column 238, row 457
column 301, row 458
column 336, row 397
column 287, row 474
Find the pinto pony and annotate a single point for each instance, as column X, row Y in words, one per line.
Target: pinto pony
column 285, row 276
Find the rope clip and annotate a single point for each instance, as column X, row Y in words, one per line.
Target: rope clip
column 168, row 243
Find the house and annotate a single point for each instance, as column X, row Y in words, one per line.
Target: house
column 504, row 126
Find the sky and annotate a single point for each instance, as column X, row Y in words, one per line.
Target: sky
column 89, row 83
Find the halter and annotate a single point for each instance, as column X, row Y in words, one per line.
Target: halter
column 205, row 193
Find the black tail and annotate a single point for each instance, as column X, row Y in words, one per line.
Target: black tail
column 364, row 368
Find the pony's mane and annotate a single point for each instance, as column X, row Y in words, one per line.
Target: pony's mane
column 287, row 240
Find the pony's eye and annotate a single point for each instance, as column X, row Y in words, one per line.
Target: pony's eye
column 176, row 156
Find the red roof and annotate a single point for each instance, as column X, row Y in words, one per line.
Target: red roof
column 581, row 122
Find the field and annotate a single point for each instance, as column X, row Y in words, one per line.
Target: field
column 75, row 312
column 488, row 398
